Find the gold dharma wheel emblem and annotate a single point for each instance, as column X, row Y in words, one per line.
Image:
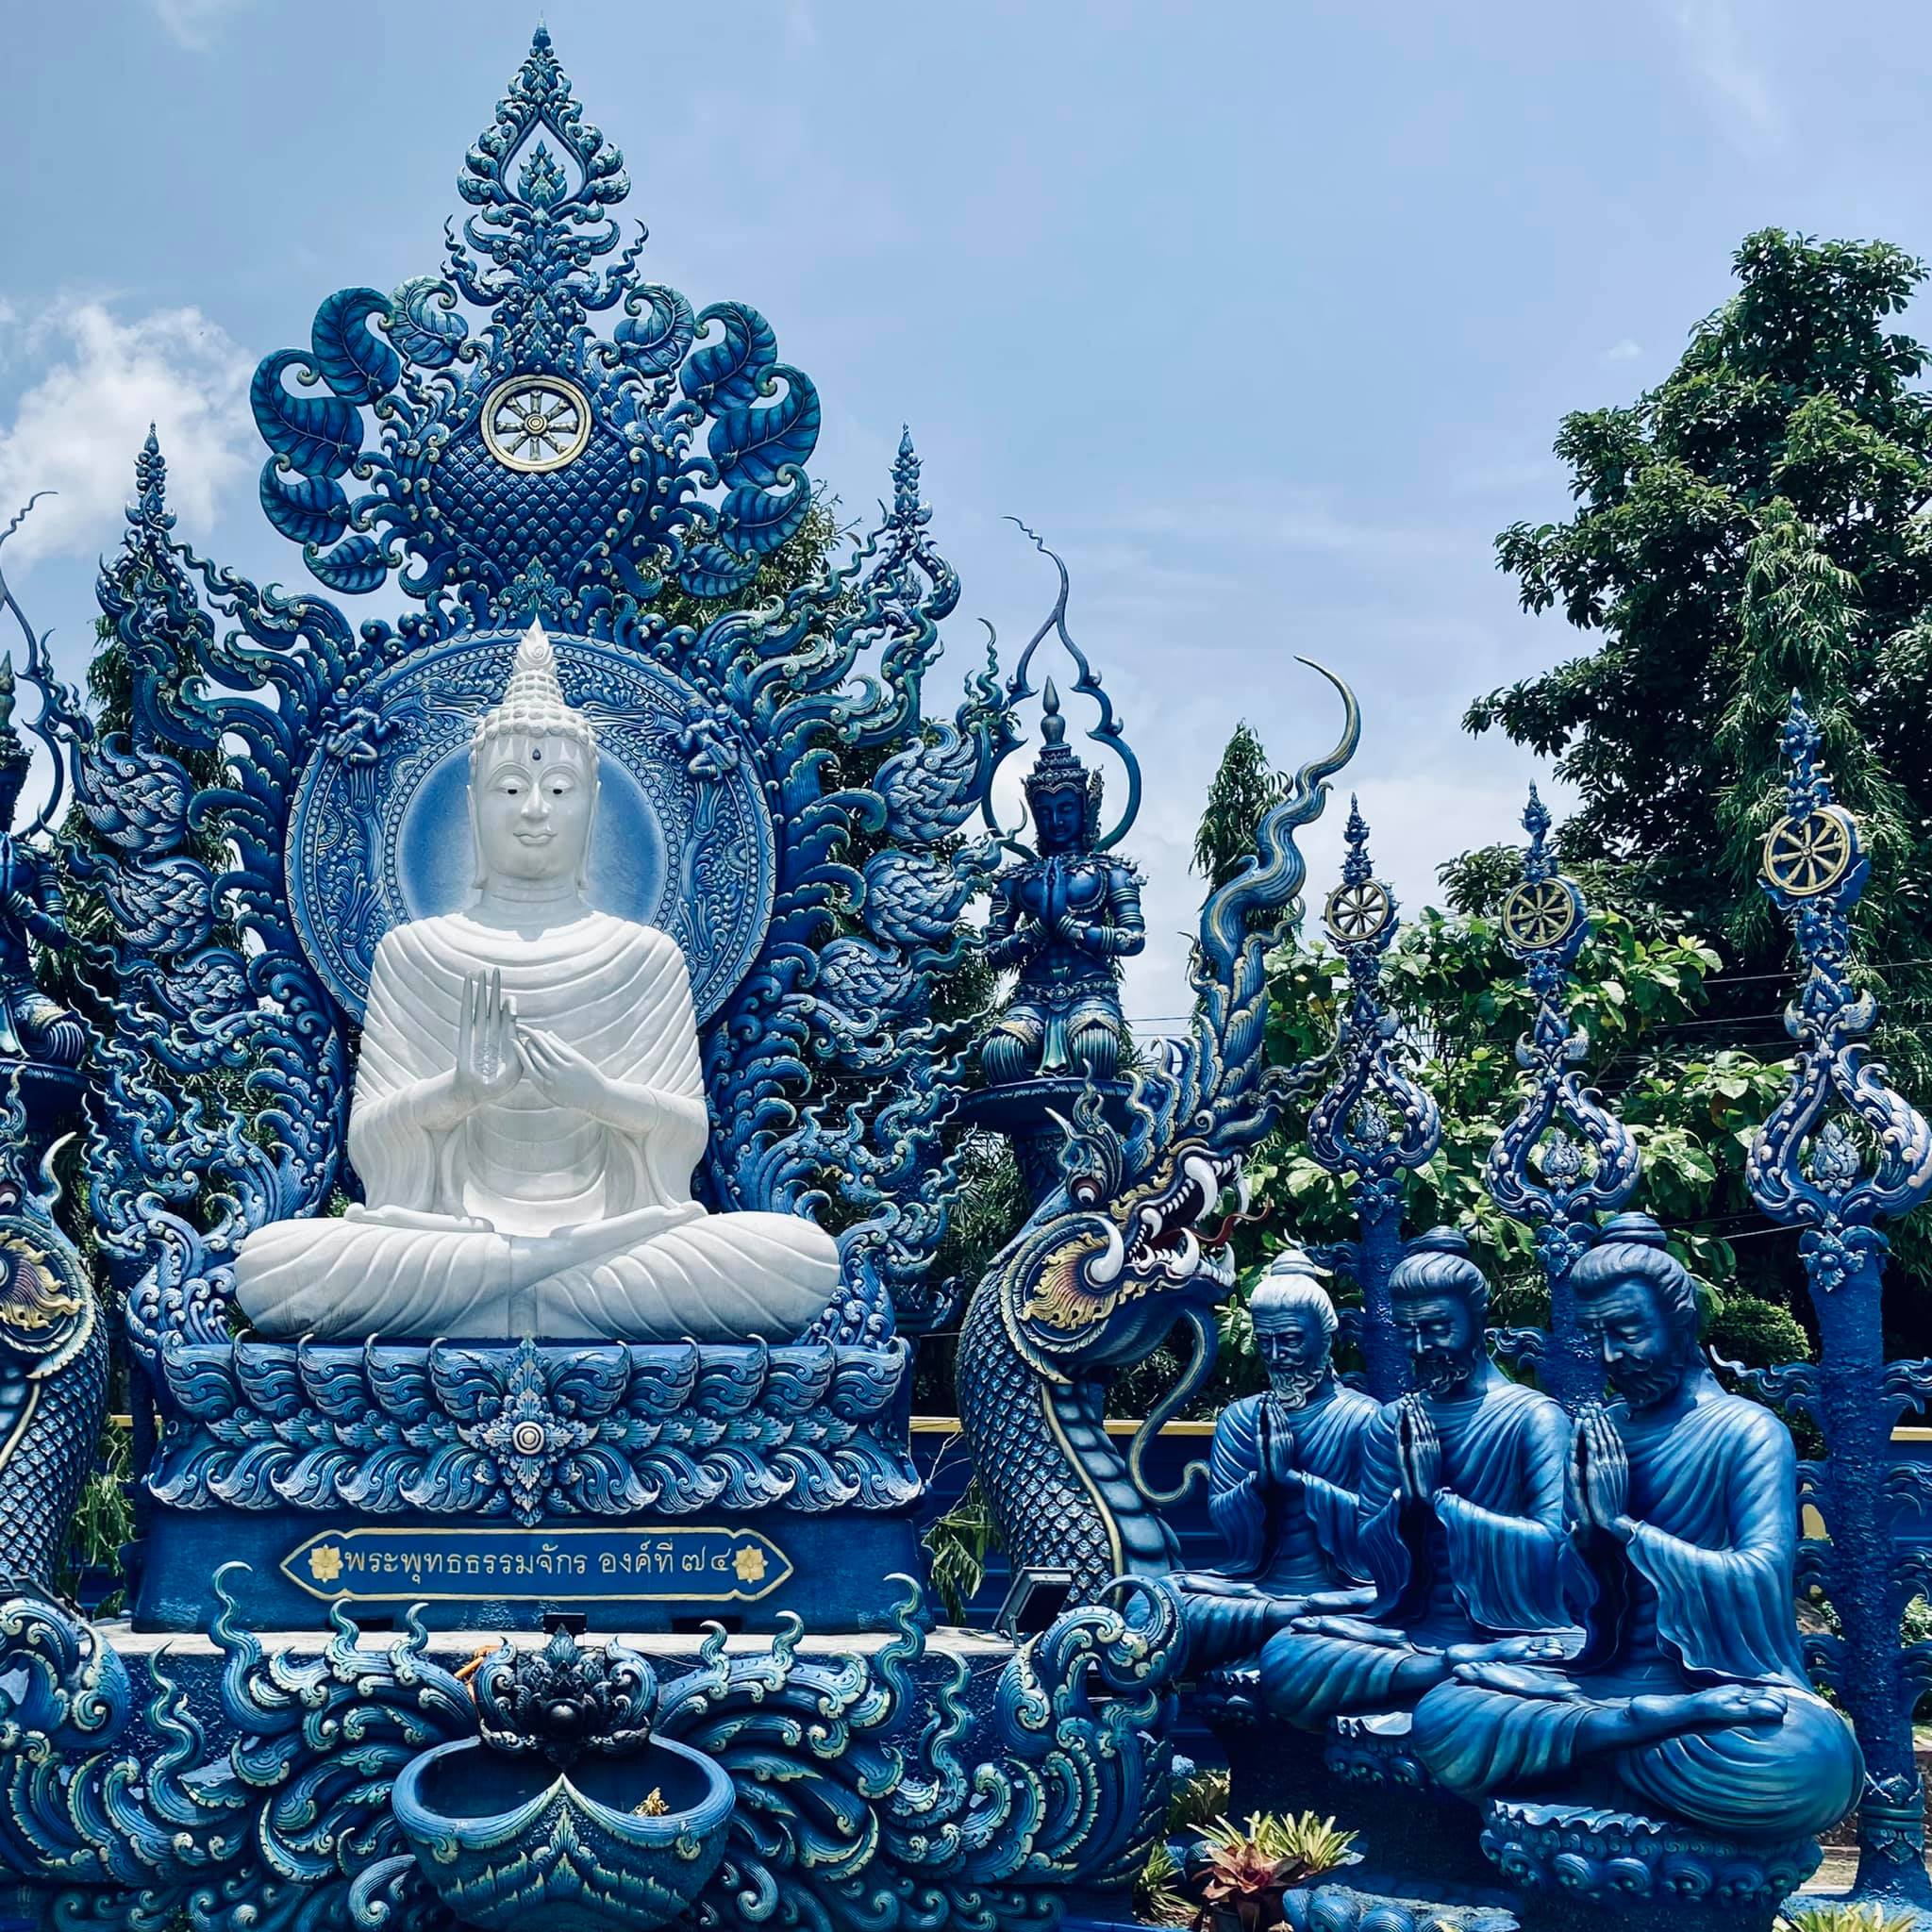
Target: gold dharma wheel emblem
column 535, row 422
column 1808, row 855
column 1539, row 914
column 1357, row 911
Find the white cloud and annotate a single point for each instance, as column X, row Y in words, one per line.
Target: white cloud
column 79, row 423
column 1719, row 51
column 195, row 22
column 1305, row 520
column 1624, row 351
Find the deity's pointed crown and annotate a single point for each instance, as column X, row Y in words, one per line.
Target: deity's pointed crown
column 533, row 704
column 1056, row 768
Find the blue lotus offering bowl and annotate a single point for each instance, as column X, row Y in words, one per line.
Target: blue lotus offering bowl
column 516, row 1840
column 564, row 1811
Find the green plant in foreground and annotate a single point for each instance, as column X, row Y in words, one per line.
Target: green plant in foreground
column 1845, row 1918
column 103, row 1518
column 1197, row 1800
column 957, row 1546
column 1243, row 1873
column 1157, row 1897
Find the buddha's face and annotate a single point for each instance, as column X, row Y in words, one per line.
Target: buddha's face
column 533, row 799
column 1293, row 1343
column 1441, row 1336
column 1644, row 1353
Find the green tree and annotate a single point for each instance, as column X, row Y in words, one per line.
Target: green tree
column 1459, row 998
column 1243, row 787
column 1757, row 524
column 1771, row 490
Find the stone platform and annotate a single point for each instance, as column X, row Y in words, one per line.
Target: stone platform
column 645, row 1489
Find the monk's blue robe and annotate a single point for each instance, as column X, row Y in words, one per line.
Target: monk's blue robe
column 1701, row 1597
column 1285, row 1544
column 1485, row 1558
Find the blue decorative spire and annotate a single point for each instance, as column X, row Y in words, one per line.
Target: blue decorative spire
column 1373, row 1121
column 150, row 505
column 1842, row 1152
column 1537, row 862
column 1564, row 1159
column 1107, row 732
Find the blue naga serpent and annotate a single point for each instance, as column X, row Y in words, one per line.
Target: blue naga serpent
column 1114, row 1260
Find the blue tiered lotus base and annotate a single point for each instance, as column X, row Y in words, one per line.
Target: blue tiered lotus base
column 640, row 1488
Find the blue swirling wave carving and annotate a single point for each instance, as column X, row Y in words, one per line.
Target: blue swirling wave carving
column 874, row 1795
column 691, row 467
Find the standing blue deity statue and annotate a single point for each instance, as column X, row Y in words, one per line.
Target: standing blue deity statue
column 1283, row 1477
column 1461, row 1519
column 1689, row 1696
column 1063, row 919
column 33, row 1027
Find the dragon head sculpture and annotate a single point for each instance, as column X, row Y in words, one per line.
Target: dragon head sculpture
column 1132, row 1243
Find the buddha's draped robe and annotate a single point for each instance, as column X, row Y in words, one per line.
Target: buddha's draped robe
column 1706, row 1583
column 1284, row 1543
column 527, row 1218
column 1485, row 1559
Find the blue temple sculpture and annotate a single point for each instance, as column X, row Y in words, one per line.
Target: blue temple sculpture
column 1461, row 1528
column 1062, row 921
column 1128, row 1244
column 1283, row 1477
column 1688, row 1700
column 529, row 1105
column 1689, row 1692
column 33, row 911
column 588, row 1346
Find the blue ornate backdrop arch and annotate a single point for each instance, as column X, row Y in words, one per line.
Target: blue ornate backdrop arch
column 338, row 744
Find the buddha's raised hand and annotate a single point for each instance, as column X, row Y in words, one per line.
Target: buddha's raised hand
column 487, row 1064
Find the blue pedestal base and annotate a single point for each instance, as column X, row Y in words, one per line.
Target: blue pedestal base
column 1585, row 1870
column 1417, row 1838
column 642, row 1487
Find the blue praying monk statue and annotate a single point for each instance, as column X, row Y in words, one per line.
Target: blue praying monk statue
column 1283, row 1477
column 1688, row 1695
column 1461, row 1518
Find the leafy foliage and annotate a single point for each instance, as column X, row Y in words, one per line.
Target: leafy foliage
column 1838, row 1916
column 1238, row 1875
column 957, row 1547
column 1759, row 523
column 1462, row 1003
column 1243, row 787
column 1784, row 462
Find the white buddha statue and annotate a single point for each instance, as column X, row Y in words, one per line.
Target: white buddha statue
column 529, row 1105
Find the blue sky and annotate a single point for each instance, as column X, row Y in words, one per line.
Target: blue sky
column 1265, row 315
